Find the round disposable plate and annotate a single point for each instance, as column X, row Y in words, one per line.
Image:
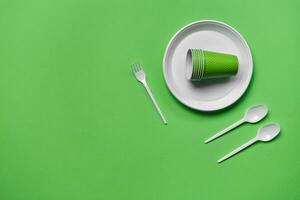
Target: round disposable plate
column 214, row 94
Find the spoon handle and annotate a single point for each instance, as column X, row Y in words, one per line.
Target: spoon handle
column 244, row 146
column 236, row 124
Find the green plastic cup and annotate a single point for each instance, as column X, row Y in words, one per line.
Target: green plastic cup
column 202, row 64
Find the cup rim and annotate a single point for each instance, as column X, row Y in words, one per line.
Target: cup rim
column 189, row 65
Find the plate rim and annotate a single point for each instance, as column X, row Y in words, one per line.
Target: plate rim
column 218, row 23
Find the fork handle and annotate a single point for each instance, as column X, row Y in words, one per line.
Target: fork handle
column 155, row 103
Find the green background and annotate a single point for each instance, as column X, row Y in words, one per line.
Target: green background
column 75, row 124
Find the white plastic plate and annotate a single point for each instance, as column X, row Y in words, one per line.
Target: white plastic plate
column 207, row 95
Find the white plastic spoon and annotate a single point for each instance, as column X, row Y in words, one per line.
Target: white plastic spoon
column 265, row 134
column 252, row 115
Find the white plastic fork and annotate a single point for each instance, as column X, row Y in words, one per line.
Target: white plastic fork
column 140, row 75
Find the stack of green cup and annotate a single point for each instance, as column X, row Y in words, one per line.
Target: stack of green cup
column 203, row 64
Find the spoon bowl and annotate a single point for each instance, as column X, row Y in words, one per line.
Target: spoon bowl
column 256, row 113
column 268, row 132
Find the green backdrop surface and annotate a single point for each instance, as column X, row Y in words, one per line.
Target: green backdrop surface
column 75, row 124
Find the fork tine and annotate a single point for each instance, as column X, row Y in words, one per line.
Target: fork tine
column 134, row 68
column 139, row 68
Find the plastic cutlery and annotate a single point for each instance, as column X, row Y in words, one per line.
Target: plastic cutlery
column 140, row 75
column 265, row 134
column 253, row 115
